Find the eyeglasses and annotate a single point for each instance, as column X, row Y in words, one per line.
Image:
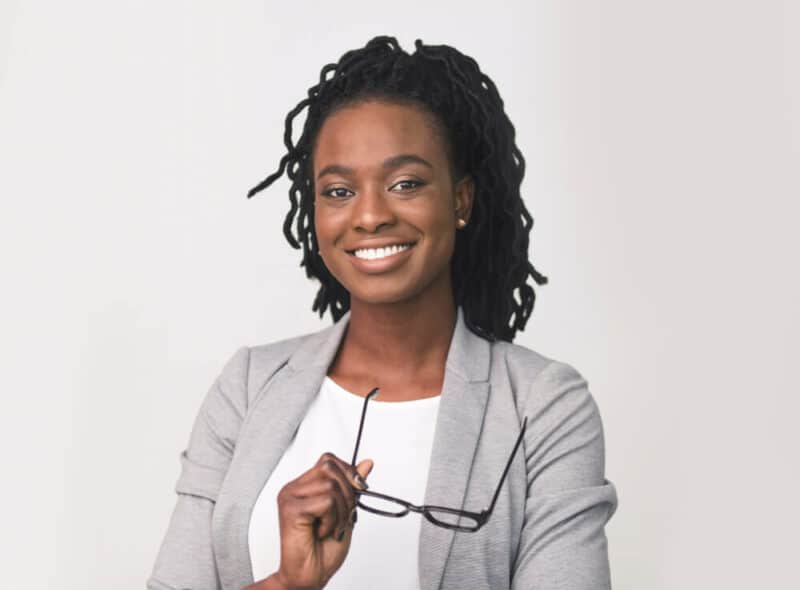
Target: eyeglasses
column 450, row 518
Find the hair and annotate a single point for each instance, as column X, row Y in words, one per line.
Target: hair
column 490, row 265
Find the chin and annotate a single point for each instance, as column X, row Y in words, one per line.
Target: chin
column 390, row 291
column 380, row 296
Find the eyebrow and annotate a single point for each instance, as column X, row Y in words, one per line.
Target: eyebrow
column 388, row 164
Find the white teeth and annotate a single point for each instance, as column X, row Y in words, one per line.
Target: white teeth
column 376, row 253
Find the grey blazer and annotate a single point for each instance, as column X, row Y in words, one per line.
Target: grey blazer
column 547, row 528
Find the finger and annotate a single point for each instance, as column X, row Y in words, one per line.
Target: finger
column 354, row 479
column 319, row 509
column 344, row 490
column 311, row 473
column 346, row 473
column 294, row 507
column 328, row 476
column 292, row 488
column 327, row 486
column 307, row 476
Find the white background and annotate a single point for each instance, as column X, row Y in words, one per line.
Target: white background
column 662, row 148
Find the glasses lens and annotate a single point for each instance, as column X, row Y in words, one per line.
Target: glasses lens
column 452, row 519
column 381, row 505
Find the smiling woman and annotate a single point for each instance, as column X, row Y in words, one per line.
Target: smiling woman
column 405, row 200
column 444, row 98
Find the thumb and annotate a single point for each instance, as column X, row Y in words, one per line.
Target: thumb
column 363, row 469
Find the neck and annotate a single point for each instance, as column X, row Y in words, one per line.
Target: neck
column 403, row 337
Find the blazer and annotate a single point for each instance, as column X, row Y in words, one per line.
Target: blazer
column 546, row 531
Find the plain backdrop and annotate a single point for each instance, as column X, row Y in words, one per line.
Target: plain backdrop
column 662, row 147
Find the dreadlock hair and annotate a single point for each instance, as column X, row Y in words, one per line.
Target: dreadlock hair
column 490, row 265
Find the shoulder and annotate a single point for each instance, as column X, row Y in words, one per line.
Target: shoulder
column 278, row 352
column 526, row 367
column 541, row 384
column 245, row 372
column 267, row 359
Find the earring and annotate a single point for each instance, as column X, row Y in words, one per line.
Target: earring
column 461, row 223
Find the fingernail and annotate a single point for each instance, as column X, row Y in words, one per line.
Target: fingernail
column 360, row 481
column 340, row 536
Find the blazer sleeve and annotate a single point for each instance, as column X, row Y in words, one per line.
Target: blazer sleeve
column 186, row 557
column 569, row 501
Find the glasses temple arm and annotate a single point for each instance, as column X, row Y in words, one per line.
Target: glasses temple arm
column 508, row 465
column 370, row 395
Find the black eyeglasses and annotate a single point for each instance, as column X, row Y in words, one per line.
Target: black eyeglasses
column 450, row 518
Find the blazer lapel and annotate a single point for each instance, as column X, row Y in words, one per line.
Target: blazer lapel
column 465, row 393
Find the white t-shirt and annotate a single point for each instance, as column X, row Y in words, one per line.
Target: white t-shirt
column 398, row 437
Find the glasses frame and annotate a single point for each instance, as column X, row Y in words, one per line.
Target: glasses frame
column 480, row 518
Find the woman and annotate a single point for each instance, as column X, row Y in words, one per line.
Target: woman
column 405, row 200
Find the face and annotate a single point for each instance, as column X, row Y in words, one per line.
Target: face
column 386, row 207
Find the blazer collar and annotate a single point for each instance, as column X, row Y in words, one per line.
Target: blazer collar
column 275, row 418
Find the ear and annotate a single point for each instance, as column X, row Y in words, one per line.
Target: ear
column 464, row 197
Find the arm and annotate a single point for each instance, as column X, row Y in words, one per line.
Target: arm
column 186, row 557
column 563, row 544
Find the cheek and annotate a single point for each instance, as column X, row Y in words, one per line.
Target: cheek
column 330, row 225
column 324, row 226
column 322, row 233
column 439, row 232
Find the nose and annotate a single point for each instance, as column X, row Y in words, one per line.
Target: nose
column 371, row 211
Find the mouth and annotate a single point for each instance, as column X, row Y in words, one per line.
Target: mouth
column 380, row 253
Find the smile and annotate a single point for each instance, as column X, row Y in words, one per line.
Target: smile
column 379, row 253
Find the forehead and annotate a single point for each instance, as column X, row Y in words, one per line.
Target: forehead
column 369, row 132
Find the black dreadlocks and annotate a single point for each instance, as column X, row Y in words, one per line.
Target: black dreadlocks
column 490, row 265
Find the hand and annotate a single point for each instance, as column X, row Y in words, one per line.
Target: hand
column 315, row 512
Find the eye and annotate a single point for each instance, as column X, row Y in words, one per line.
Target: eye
column 337, row 192
column 407, row 185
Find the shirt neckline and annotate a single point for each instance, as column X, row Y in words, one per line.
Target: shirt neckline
column 374, row 402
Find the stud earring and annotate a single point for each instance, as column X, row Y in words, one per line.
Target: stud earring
column 461, row 223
